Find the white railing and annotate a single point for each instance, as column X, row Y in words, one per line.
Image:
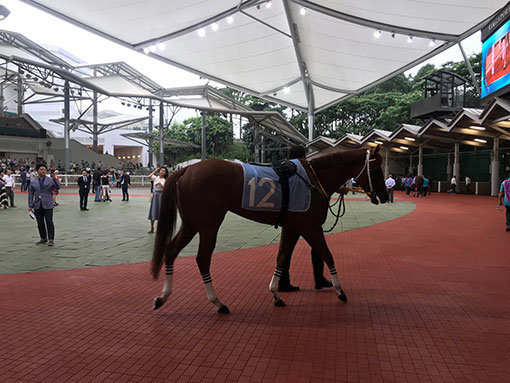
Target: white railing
column 72, row 180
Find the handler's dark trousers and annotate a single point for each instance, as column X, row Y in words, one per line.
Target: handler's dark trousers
column 43, row 215
column 318, row 270
column 507, row 208
column 10, row 194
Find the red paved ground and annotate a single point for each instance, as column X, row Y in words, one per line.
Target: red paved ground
column 429, row 301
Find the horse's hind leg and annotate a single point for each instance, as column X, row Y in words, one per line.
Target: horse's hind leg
column 317, row 241
column 205, row 250
column 179, row 242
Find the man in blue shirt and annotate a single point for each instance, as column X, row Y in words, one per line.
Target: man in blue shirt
column 504, row 197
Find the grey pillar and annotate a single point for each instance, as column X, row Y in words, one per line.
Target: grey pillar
column 1, row 99
column 151, row 139
column 449, row 167
column 161, row 158
column 411, row 168
column 67, row 132
column 495, row 168
column 420, row 160
column 204, row 127
column 20, row 95
column 310, row 124
column 262, row 150
column 387, row 163
column 94, row 127
column 456, row 164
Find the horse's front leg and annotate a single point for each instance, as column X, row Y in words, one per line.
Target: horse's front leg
column 288, row 241
column 316, row 240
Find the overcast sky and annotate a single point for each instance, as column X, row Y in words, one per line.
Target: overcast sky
column 45, row 29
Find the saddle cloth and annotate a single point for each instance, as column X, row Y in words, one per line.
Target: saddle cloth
column 262, row 190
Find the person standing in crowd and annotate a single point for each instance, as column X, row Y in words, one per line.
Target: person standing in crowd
column 504, row 199
column 453, row 183
column 54, row 174
column 4, row 200
column 9, row 186
column 84, row 185
column 97, row 185
column 425, row 187
column 468, row 185
column 24, row 180
column 125, row 181
column 408, row 184
column 40, row 202
column 390, row 185
column 159, row 183
column 105, row 187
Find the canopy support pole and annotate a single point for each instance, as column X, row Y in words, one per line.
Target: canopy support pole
column 161, row 133
column 470, row 69
column 151, row 139
column 420, row 160
column 449, row 167
column 456, row 164
column 66, row 127
column 204, row 127
column 386, row 163
column 495, row 168
column 20, row 95
column 94, row 128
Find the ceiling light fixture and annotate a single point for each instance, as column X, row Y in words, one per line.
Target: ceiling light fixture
column 377, row 33
column 201, row 32
column 477, row 127
column 409, row 139
column 230, row 19
column 215, row 27
column 303, row 11
column 153, row 48
column 146, row 50
column 404, row 148
column 409, row 39
column 379, row 142
column 480, row 140
column 161, row 46
column 268, row 4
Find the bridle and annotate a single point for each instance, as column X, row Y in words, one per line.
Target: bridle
column 366, row 167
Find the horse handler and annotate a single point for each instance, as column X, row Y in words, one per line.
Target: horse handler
column 390, row 185
column 504, row 198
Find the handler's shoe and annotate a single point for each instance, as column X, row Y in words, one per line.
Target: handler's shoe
column 41, row 241
column 507, row 228
column 324, row 283
column 287, row 288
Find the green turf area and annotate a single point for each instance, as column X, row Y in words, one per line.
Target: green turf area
column 116, row 233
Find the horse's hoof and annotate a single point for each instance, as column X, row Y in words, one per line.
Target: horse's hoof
column 224, row 310
column 158, row 302
column 279, row 303
column 342, row 297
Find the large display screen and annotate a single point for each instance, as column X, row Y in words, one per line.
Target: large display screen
column 496, row 61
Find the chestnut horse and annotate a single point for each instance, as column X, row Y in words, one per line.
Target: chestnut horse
column 203, row 193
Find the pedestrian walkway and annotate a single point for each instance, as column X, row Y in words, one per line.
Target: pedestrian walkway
column 429, row 301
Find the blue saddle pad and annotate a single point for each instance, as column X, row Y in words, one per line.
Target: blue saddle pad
column 262, row 190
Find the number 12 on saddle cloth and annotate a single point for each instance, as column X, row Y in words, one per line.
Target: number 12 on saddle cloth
column 262, row 190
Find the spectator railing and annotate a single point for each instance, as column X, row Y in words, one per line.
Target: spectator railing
column 67, row 180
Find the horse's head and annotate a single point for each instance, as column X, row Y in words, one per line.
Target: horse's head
column 371, row 177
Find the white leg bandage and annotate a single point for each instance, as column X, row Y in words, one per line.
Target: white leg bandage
column 167, row 288
column 273, row 286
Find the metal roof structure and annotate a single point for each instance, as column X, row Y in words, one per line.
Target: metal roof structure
column 304, row 54
column 145, row 139
column 104, row 124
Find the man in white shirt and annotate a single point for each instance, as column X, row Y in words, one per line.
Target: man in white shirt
column 468, row 184
column 453, row 182
column 390, row 185
column 9, row 186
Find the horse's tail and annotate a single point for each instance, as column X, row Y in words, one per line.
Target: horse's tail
column 166, row 222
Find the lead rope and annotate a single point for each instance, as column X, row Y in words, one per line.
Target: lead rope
column 341, row 204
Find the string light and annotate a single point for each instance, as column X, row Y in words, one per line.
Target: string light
column 409, row 39
column 230, row 19
column 215, row 27
column 153, row 48
column 303, row 11
column 201, row 32
column 377, row 33
column 286, row 90
column 269, row 4
column 146, row 50
column 161, row 46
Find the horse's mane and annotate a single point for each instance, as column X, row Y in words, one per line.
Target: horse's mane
column 338, row 156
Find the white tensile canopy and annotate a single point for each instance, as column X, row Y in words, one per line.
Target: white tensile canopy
column 307, row 55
